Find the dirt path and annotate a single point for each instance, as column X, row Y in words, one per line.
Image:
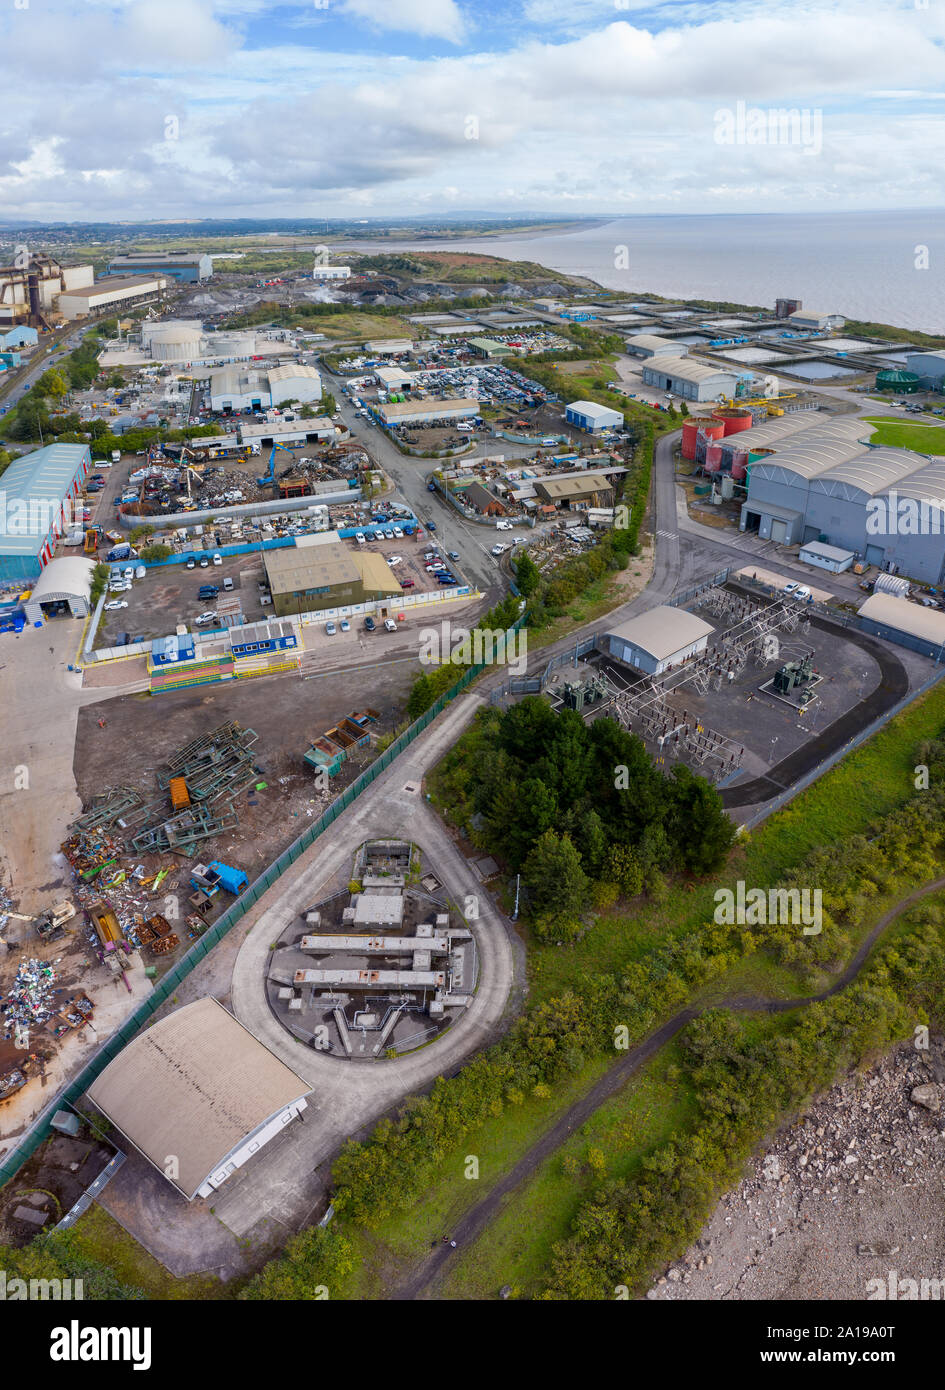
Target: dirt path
column 472, row 1225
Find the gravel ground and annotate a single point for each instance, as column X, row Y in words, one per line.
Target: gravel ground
column 850, row 1192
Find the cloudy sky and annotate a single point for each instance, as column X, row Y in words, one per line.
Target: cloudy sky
column 176, row 108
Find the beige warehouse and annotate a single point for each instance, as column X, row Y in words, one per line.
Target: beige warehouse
column 320, row 572
column 198, row 1095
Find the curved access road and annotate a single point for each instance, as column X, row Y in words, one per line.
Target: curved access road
column 474, row 1222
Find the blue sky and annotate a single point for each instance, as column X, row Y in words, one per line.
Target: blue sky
column 170, row 108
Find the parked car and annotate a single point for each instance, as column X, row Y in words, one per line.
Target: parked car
column 190, row 562
column 453, row 554
column 345, row 625
column 390, row 625
column 395, row 559
column 330, row 629
column 210, row 616
column 140, row 572
column 802, row 592
column 207, row 591
column 218, row 558
column 503, row 525
column 408, row 584
column 227, row 584
column 791, row 587
column 115, row 604
column 369, row 624
column 204, row 562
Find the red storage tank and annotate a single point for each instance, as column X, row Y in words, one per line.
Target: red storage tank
column 690, row 432
column 734, row 420
column 740, row 468
column 713, row 458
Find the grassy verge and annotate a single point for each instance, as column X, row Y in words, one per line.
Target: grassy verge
column 516, row 1247
column 101, row 1238
column 903, row 434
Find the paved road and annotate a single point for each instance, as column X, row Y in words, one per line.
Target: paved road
column 419, row 1283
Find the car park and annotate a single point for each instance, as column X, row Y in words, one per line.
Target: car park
column 330, row 629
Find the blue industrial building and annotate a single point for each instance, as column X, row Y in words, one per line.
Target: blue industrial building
column 18, row 338
column 185, row 268
column 37, row 493
column 167, row 650
column 255, row 639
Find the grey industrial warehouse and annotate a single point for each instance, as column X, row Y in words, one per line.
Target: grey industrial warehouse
column 908, row 624
column 651, row 345
column 827, row 484
column 425, row 412
column 658, row 639
column 184, row 267
column 591, row 417
column 693, row 381
column 241, row 388
column 198, row 1095
column 37, row 492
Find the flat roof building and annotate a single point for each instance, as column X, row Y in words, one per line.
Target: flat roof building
column 656, row 640
column 184, row 267
column 199, row 1086
column 815, row 318
column 425, row 412
column 107, row 295
column 589, row 489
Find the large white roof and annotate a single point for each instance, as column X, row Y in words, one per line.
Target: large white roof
column 900, row 613
column 662, row 631
column 66, row 577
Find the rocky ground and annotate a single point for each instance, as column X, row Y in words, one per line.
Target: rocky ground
column 851, row 1193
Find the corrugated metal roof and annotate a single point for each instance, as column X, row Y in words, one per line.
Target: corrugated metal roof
column 687, row 370
column 905, row 616
column 67, row 576
column 871, row 471
column 662, row 631
column 41, row 480
column 194, row 1084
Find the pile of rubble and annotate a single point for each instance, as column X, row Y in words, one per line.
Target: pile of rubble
column 836, row 1196
column 30, row 998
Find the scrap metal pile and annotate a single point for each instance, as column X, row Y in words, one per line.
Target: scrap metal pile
column 215, row 769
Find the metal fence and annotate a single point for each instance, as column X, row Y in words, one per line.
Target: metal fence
column 165, row 987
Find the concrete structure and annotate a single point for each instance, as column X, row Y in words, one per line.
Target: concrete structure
column 185, row 267
column 324, row 273
column 320, row 572
column 173, row 342
column 198, row 1086
column 107, row 296
column 815, row 318
column 425, row 412
column 591, row 417
column 693, row 381
column 239, row 388
column 649, row 345
column 38, row 493
column 826, row 557
column 658, row 639
column 907, row 624
column 62, row 590
column 826, row 484
column 929, row 367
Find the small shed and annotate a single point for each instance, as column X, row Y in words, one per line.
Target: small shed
column 826, row 557
column 654, row 641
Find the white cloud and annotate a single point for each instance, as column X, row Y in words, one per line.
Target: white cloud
column 428, row 19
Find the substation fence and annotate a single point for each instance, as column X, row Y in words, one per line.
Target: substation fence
column 166, row 986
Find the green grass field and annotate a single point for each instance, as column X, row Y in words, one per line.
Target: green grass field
column 101, row 1238
column 908, row 434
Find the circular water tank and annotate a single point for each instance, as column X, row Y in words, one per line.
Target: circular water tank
column 734, row 420
column 713, row 458
column 740, row 470
column 690, row 432
column 897, row 380
column 175, row 344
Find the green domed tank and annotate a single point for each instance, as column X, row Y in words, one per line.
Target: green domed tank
column 895, row 379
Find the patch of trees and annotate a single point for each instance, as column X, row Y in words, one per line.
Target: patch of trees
column 316, row 1264
column 440, row 679
column 570, row 804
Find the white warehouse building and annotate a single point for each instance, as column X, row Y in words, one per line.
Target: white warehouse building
column 238, row 388
column 591, row 417
column 652, row 345
column 655, row 641
column 331, row 272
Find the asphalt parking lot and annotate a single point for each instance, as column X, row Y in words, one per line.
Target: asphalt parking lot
column 169, row 595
